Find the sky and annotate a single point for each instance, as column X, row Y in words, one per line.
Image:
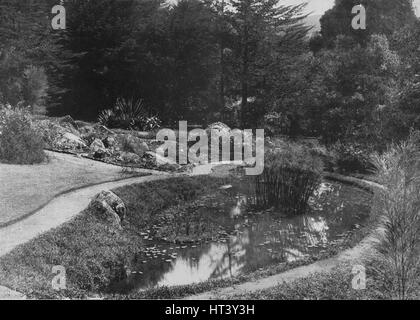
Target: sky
column 317, row 6
column 320, row 6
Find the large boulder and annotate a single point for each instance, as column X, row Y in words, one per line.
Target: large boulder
column 130, row 143
column 97, row 145
column 110, row 207
column 98, row 149
column 70, row 141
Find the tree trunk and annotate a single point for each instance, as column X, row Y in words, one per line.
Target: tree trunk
column 244, row 78
column 222, row 61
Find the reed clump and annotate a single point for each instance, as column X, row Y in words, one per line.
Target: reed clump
column 398, row 205
column 291, row 175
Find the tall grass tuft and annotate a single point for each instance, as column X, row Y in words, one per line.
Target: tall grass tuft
column 291, row 175
column 398, row 204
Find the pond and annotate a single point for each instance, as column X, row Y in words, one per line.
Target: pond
column 247, row 239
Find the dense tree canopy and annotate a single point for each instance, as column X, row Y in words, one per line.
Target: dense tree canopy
column 382, row 17
column 244, row 62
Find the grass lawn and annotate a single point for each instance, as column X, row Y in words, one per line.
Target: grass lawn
column 38, row 184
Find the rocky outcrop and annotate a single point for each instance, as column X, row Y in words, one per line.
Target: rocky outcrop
column 109, row 207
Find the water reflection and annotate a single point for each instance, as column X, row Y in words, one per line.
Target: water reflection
column 251, row 241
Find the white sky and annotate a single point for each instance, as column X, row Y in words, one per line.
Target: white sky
column 317, row 6
column 320, row 6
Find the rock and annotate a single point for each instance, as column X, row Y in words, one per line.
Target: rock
column 146, row 135
column 129, row 143
column 106, row 213
column 68, row 120
column 109, row 142
column 98, row 149
column 110, row 206
column 70, row 141
column 144, row 146
column 130, row 157
column 97, row 145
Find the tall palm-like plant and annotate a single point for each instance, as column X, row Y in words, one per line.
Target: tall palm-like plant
column 127, row 114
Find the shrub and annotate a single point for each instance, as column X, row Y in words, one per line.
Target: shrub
column 352, row 158
column 276, row 123
column 399, row 206
column 290, row 177
column 20, row 143
column 130, row 115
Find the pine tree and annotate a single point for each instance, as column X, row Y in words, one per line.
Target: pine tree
column 262, row 28
column 28, row 48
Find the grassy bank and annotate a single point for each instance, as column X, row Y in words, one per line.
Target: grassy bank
column 91, row 251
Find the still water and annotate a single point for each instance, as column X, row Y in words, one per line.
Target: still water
column 251, row 240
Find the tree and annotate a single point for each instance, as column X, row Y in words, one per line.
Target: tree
column 382, row 17
column 260, row 29
column 29, row 52
column 348, row 93
column 100, row 39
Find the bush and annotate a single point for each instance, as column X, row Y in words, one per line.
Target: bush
column 276, row 123
column 290, row 177
column 399, row 206
column 20, row 143
column 352, row 158
column 129, row 115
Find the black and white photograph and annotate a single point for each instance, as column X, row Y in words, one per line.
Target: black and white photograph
column 190, row 151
